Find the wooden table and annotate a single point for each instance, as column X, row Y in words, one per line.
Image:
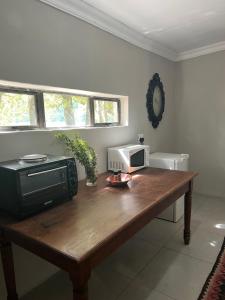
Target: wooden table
column 79, row 234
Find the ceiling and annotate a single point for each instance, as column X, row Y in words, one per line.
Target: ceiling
column 176, row 29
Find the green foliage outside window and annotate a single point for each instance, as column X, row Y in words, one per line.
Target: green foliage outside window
column 66, row 110
column 105, row 111
column 23, row 108
column 17, row 109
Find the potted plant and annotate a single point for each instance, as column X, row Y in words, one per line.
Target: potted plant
column 84, row 153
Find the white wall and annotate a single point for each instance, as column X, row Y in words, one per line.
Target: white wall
column 200, row 109
column 41, row 45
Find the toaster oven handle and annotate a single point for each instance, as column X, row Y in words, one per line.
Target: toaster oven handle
column 45, row 172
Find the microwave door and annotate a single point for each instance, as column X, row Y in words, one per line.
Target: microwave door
column 137, row 159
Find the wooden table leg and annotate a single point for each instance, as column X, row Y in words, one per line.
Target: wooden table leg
column 8, row 268
column 80, row 293
column 80, row 284
column 187, row 214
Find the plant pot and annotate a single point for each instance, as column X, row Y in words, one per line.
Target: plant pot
column 89, row 183
column 91, row 177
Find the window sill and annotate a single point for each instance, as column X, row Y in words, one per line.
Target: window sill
column 3, row 132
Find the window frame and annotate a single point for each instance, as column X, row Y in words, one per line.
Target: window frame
column 40, row 109
column 106, row 124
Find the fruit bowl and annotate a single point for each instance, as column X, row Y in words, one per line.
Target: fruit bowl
column 125, row 178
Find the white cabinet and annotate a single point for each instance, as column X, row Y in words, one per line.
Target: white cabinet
column 172, row 162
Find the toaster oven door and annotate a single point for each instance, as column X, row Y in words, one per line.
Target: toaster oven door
column 44, row 186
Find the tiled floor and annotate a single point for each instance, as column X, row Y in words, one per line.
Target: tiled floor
column 154, row 265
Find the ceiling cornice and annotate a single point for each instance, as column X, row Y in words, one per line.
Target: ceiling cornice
column 90, row 14
column 99, row 19
column 201, row 51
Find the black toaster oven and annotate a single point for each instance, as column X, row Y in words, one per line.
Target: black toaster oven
column 28, row 188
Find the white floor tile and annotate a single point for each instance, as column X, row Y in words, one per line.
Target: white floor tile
column 138, row 292
column 132, row 257
column 58, row 287
column 159, row 231
column 175, row 275
column 107, row 281
column 104, row 284
column 211, row 215
column 204, row 245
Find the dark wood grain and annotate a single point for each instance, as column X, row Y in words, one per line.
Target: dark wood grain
column 187, row 214
column 79, row 278
column 8, row 268
column 77, row 235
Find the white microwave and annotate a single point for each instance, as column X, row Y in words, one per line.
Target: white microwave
column 128, row 158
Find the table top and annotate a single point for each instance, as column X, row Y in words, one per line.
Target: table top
column 78, row 228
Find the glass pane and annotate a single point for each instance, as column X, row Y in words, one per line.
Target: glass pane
column 137, row 159
column 106, row 111
column 157, row 101
column 62, row 110
column 17, row 109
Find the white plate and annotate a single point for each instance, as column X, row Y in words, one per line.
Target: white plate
column 34, row 157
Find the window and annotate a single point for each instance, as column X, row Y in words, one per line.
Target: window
column 34, row 108
column 63, row 110
column 18, row 109
column 106, row 111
